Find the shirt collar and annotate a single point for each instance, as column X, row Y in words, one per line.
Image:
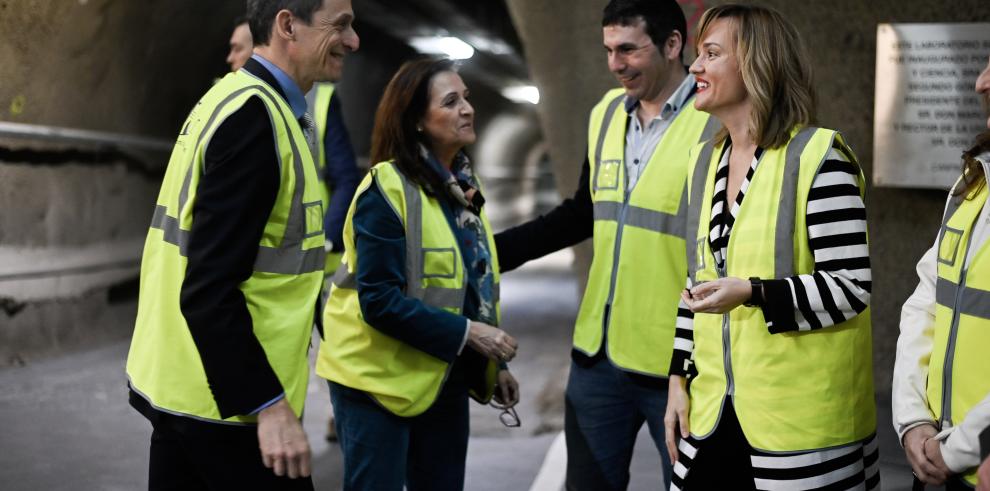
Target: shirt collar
column 674, row 103
column 294, row 95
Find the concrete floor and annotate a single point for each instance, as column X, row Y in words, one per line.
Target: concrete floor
column 65, row 423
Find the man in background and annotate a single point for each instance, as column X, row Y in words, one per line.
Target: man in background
column 241, row 45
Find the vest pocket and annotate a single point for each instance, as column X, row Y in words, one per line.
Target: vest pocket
column 314, row 218
column 948, row 245
column 439, row 262
column 608, row 175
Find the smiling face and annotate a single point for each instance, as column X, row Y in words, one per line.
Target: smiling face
column 449, row 119
column 983, row 89
column 319, row 47
column 721, row 90
column 639, row 65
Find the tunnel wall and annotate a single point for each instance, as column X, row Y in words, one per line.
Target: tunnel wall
column 562, row 40
column 74, row 215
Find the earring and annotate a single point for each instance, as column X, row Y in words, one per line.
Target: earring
column 419, row 129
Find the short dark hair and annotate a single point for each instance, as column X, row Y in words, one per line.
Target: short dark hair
column 241, row 19
column 261, row 15
column 403, row 105
column 662, row 18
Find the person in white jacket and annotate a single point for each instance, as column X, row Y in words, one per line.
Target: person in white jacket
column 941, row 442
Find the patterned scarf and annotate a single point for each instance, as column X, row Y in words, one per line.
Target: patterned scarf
column 461, row 186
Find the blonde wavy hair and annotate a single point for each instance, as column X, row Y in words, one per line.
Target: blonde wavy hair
column 775, row 70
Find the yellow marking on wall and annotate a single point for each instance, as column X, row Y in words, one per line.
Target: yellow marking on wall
column 17, row 105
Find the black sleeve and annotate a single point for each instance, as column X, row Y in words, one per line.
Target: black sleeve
column 571, row 222
column 233, row 201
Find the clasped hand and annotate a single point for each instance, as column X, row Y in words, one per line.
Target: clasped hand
column 491, row 342
column 925, row 455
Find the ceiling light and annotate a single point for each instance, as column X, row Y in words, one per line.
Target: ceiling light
column 522, row 93
column 451, row 47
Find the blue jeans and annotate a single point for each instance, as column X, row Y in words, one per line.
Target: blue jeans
column 384, row 452
column 604, row 410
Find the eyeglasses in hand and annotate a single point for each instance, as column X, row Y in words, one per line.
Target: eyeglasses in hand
column 508, row 416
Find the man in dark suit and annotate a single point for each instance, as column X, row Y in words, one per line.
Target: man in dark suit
column 233, row 265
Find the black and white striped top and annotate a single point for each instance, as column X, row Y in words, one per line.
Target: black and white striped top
column 839, row 287
column 837, row 290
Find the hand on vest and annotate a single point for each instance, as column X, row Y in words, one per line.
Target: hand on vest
column 506, row 389
column 284, row 447
column 491, row 342
column 717, row 296
column 915, row 447
column 676, row 420
column 983, row 476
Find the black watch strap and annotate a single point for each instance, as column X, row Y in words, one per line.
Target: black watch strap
column 756, row 298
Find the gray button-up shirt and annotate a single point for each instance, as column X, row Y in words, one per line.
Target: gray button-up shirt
column 642, row 141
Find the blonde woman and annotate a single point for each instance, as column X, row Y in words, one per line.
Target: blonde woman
column 775, row 317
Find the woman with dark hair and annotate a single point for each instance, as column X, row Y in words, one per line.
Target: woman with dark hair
column 776, row 311
column 410, row 322
column 941, row 392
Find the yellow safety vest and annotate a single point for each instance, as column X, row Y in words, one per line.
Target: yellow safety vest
column 959, row 364
column 318, row 101
column 164, row 365
column 792, row 391
column 403, row 379
column 638, row 268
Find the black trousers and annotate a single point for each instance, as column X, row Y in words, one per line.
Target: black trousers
column 189, row 455
column 725, row 461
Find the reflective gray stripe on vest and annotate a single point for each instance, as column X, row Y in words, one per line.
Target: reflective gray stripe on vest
column 711, row 127
column 435, row 296
column 784, row 234
column 655, row 221
column 295, row 226
column 606, row 122
column 288, row 259
column 444, row 298
column 414, row 238
column 170, row 228
column 187, row 179
column 697, row 191
column 960, row 299
column 972, row 301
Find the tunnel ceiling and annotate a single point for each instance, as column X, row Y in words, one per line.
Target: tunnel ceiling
column 484, row 24
column 96, row 61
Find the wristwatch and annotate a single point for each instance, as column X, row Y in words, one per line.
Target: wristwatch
column 756, row 298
